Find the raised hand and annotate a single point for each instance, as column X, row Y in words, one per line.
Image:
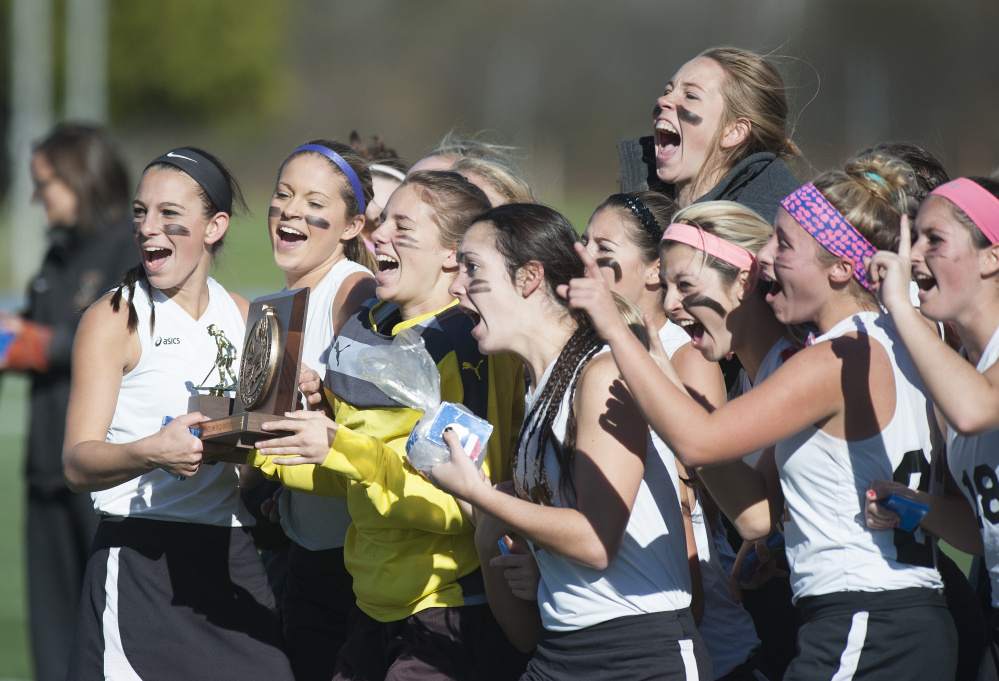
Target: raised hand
column 890, row 273
column 592, row 295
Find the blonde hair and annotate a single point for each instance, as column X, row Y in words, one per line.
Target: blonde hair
column 743, row 227
column 501, row 176
column 727, row 220
column 752, row 89
column 454, row 202
column 872, row 192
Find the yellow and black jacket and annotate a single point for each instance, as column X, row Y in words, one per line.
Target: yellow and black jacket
column 410, row 546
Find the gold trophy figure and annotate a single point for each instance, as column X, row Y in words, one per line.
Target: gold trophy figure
column 223, row 363
column 267, row 385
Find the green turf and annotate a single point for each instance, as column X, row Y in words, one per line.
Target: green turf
column 14, row 656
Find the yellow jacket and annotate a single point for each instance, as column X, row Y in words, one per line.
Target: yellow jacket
column 409, row 544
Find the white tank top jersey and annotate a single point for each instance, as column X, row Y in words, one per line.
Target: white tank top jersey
column 311, row 521
column 649, row 573
column 974, row 464
column 176, row 356
column 771, row 363
column 727, row 629
column 825, row 480
column 673, row 338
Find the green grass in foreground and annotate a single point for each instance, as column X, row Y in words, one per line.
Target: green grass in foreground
column 14, row 655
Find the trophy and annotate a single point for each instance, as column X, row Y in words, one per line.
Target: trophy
column 267, row 386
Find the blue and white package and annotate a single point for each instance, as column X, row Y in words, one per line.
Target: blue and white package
column 406, row 372
column 426, row 447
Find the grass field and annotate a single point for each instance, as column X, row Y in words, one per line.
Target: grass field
column 13, row 630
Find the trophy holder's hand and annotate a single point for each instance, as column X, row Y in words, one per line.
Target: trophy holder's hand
column 312, row 437
column 311, row 386
column 178, row 452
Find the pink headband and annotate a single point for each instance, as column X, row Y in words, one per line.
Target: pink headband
column 710, row 244
column 827, row 225
column 977, row 203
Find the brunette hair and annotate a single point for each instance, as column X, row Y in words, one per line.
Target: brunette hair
column 527, row 233
column 454, row 202
column 927, row 170
column 85, row 158
column 208, row 210
column 644, row 234
column 354, row 249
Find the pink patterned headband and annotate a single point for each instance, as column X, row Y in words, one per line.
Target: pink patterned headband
column 710, row 244
column 827, row 225
column 977, row 203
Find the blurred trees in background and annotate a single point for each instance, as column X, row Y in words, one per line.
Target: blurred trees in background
column 197, row 63
column 563, row 80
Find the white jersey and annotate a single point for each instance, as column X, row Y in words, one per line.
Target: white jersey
column 177, row 355
column 649, row 573
column 825, row 481
column 773, row 360
column 727, row 629
column 316, row 522
column 974, row 464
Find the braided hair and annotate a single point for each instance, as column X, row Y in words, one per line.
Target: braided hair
column 527, row 233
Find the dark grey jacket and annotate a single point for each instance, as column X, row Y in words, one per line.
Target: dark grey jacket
column 759, row 182
column 76, row 272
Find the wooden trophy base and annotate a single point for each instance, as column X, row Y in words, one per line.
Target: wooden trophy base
column 241, row 431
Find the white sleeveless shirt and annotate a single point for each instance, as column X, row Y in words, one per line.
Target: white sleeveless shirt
column 176, row 356
column 727, row 629
column 974, row 463
column 311, row 521
column 825, row 479
column 649, row 573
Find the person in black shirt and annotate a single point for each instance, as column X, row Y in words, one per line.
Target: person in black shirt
column 81, row 181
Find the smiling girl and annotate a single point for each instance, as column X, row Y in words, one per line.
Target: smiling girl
column 842, row 412
column 720, row 132
column 173, row 581
column 592, row 494
column 955, row 261
column 315, row 222
column 421, row 606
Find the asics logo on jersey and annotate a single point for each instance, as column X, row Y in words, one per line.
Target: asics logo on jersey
column 468, row 365
column 337, row 349
column 173, row 155
column 166, row 341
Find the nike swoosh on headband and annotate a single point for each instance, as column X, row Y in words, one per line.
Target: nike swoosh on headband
column 173, row 155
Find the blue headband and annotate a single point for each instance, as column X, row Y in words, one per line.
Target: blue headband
column 355, row 181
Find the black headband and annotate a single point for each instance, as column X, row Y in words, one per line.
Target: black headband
column 204, row 172
column 642, row 212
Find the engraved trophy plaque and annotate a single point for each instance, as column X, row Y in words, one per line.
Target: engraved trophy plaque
column 268, row 375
